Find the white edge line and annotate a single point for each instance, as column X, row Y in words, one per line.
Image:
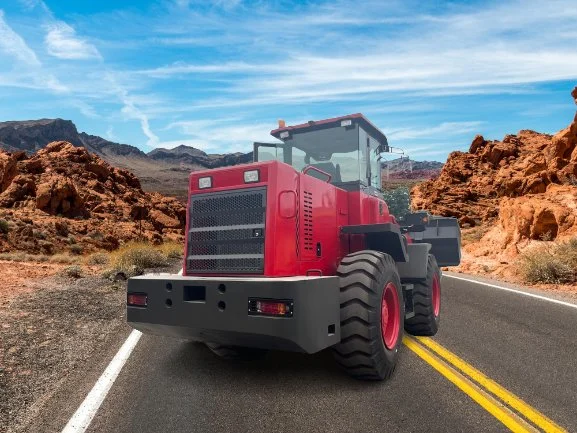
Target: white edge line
column 85, row 413
column 520, row 292
column 87, row 410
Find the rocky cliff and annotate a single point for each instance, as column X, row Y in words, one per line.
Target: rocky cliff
column 64, row 195
column 161, row 170
column 405, row 168
column 495, row 177
column 509, row 195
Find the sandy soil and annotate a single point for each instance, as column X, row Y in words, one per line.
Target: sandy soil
column 18, row 278
column 503, row 271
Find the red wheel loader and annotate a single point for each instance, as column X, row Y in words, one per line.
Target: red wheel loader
column 298, row 252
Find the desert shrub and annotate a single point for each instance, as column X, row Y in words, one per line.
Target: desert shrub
column 140, row 255
column 21, row 256
column 76, row 249
column 172, row 250
column 553, row 264
column 4, row 226
column 96, row 235
column 38, row 234
column 17, row 256
column 71, row 240
column 63, row 258
column 47, row 246
column 98, row 259
column 73, row 271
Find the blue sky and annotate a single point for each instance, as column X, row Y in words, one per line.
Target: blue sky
column 217, row 74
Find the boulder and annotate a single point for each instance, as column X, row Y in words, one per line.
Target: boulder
column 73, row 196
column 471, row 184
column 8, row 169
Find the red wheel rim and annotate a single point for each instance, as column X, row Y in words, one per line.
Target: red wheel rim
column 390, row 316
column 436, row 295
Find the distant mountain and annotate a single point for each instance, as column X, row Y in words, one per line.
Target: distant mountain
column 405, row 168
column 162, row 170
column 33, row 135
column 176, row 152
column 190, row 155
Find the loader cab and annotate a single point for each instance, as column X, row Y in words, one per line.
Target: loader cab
column 343, row 150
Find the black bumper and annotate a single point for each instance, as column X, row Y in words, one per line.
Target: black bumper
column 314, row 325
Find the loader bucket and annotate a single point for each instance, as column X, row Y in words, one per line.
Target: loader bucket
column 444, row 235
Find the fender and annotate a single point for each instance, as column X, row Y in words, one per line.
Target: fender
column 416, row 267
column 386, row 238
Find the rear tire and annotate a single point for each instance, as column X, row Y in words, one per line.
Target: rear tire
column 371, row 333
column 426, row 302
column 236, row 353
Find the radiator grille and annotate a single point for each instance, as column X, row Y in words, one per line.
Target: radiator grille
column 227, row 232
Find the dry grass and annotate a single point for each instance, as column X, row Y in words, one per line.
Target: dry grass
column 73, row 271
column 552, row 264
column 172, row 250
column 134, row 257
column 131, row 259
column 98, row 259
column 20, row 256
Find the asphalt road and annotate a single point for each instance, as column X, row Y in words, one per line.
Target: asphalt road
column 526, row 345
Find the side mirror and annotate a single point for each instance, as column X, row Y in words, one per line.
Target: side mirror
column 383, row 148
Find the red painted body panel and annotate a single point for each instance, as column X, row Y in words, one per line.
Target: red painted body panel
column 304, row 214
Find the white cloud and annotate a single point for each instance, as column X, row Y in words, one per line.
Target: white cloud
column 61, row 41
column 220, row 136
column 313, row 54
column 445, row 129
column 86, row 109
column 12, row 44
column 27, row 71
column 133, row 112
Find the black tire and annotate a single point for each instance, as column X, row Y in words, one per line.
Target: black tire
column 236, row 353
column 425, row 322
column 362, row 352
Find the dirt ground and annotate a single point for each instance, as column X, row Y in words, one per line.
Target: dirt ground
column 500, row 267
column 18, row 278
column 49, row 326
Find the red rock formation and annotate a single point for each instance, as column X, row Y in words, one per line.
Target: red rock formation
column 516, row 180
column 64, row 194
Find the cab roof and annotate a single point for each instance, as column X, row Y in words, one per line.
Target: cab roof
column 312, row 125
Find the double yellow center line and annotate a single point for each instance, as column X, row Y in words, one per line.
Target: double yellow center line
column 513, row 412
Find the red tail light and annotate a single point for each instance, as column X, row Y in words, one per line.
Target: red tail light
column 269, row 307
column 137, row 299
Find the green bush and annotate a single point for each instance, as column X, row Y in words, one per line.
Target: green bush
column 398, row 200
column 4, row 226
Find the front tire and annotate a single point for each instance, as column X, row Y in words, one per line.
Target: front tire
column 426, row 302
column 372, row 312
